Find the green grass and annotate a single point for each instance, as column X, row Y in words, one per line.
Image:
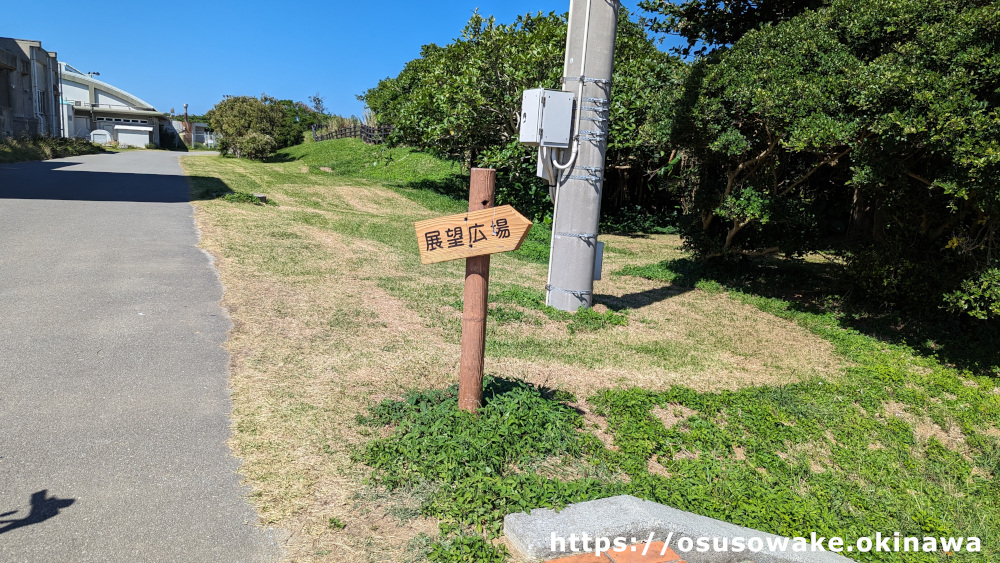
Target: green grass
column 351, row 158
column 820, row 455
column 438, row 185
column 478, row 460
column 850, row 454
column 814, row 456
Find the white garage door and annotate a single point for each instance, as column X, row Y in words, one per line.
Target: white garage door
column 133, row 136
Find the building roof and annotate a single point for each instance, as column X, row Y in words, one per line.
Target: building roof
column 70, row 72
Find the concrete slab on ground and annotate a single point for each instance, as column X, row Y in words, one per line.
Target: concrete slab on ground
column 545, row 534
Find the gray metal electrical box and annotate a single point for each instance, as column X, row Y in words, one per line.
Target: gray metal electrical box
column 546, row 118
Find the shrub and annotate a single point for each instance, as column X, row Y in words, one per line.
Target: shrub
column 978, row 297
column 20, row 149
column 237, row 117
column 254, row 145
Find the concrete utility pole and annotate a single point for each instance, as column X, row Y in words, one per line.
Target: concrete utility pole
column 590, row 50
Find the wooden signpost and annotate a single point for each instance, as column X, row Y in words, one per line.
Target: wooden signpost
column 484, row 230
column 476, row 233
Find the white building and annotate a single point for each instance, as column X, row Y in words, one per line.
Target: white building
column 95, row 109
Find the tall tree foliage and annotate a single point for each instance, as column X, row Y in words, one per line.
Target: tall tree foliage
column 709, row 24
column 255, row 127
column 884, row 115
column 463, row 100
column 296, row 119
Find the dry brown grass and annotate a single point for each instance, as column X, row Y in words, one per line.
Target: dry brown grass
column 817, row 453
column 924, row 428
column 672, row 414
column 318, row 339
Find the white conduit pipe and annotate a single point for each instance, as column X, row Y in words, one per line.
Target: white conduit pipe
column 579, row 97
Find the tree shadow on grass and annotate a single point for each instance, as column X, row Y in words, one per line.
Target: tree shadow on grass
column 281, row 157
column 208, row 187
column 455, row 186
column 816, row 288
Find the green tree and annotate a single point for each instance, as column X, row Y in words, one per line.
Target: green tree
column 710, row 24
column 463, row 101
column 318, row 104
column 246, row 125
column 276, row 123
column 296, row 119
column 879, row 115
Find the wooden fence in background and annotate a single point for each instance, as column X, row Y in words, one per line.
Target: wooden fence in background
column 370, row 135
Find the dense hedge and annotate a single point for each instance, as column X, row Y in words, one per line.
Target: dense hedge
column 870, row 126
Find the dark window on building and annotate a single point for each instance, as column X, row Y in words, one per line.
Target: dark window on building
column 5, row 88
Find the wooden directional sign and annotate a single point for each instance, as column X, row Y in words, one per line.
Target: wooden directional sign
column 476, row 233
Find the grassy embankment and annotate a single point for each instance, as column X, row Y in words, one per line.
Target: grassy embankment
column 21, row 149
column 677, row 389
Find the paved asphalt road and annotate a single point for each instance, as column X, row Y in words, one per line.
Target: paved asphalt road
column 113, row 385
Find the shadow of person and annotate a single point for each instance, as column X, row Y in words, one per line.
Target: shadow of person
column 42, row 509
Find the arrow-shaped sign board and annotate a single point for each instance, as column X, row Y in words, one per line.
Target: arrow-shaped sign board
column 487, row 231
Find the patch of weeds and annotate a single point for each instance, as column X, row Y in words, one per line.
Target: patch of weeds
column 335, row 523
column 22, row 148
column 817, row 286
column 535, row 247
column 284, row 235
column 461, row 548
column 499, row 313
column 506, row 315
column 244, row 197
column 518, row 295
column 819, row 455
column 829, row 456
column 588, row 320
column 417, row 548
column 682, row 272
column 616, row 250
column 478, row 461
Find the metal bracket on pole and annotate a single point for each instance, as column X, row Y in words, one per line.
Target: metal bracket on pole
column 586, row 79
column 591, row 135
column 596, row 173
column 586, row 237
column 579, row 293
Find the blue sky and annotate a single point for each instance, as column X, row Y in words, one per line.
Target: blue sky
column 171, row 53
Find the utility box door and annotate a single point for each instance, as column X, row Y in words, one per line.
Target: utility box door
column 531, row 117
column 557, row 118
column 546, row 118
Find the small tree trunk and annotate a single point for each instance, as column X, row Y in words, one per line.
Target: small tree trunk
column 862, row 223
